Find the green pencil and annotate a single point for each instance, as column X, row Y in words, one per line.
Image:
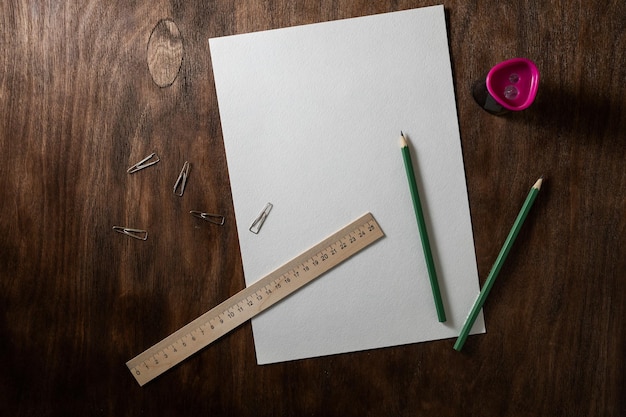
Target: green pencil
column 421, row 225
column 495, row 269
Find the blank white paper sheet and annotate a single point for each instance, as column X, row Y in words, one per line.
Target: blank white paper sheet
column 311, row 116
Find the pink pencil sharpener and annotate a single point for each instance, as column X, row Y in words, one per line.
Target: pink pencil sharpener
column 509, row 86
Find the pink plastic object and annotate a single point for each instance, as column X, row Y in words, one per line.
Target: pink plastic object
column 513, row 83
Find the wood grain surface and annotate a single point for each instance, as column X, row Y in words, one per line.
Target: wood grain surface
column 79, row 105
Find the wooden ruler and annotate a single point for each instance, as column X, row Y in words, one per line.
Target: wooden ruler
column 254, row 299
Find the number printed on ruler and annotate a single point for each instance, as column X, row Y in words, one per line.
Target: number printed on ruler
column 254, row 299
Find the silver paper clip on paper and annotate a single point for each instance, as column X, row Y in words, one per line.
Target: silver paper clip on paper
column 258, row 222
column 211, row 218
column 134, row 233
column 181, row 181
column 143, row 163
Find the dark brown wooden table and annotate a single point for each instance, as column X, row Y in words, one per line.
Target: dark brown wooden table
column 79, row 105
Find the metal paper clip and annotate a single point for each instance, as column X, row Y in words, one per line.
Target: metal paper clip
column 143, row 163
column 258, row 222
column 211, row 218
column 135, row 233
column 182, row 180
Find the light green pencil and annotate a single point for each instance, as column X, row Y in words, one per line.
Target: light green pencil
column 495, row 269
column 421, row 225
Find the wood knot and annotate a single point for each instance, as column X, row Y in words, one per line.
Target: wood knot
column 165, row 52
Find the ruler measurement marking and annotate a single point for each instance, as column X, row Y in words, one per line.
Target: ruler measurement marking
column 254, row 299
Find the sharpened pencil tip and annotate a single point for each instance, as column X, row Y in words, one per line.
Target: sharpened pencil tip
column 538, row 183
column 403, row 142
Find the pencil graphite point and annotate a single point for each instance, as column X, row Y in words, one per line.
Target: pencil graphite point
column 403, row 142
column 538, row 183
